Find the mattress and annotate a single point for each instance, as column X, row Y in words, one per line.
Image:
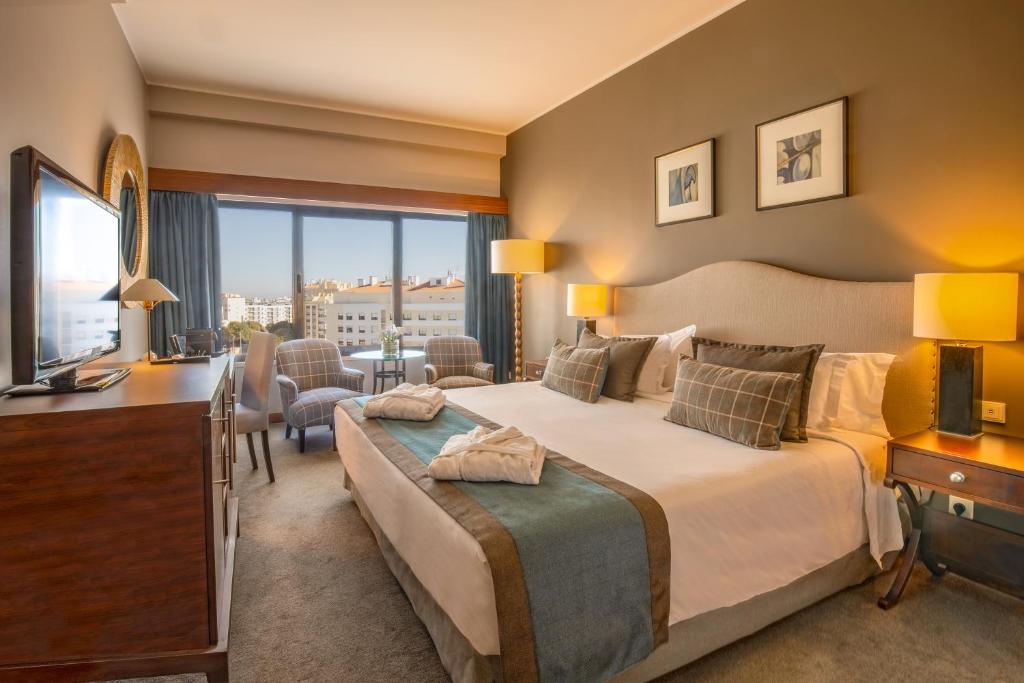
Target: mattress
column 742, row 522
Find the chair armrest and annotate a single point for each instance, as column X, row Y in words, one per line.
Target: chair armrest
column 352, row 379
column 289, row 391
column 431, row 373
column 484, row 371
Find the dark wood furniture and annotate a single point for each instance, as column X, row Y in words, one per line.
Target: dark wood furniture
column 117, row 528
column 988, row 470
column 534, row 370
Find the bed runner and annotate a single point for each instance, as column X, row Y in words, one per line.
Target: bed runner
column 580, row 563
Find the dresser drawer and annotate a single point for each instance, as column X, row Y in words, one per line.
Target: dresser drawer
column 981, row 482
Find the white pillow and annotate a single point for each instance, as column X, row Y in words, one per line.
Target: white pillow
column 658, row 374
column 847, row 390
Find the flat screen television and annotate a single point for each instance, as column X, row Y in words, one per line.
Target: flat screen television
column 65, row 276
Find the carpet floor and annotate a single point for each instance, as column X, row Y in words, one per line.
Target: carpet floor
column 314, row 601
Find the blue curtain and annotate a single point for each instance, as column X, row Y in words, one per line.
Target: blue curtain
column 184, row 254
column 489, row 297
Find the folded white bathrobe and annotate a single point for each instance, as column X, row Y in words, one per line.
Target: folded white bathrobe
column 419, row 402
column 483, row 454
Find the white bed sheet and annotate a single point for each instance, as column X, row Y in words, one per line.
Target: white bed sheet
column 742, row 522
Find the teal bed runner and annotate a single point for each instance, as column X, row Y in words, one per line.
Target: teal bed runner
column 580, row 562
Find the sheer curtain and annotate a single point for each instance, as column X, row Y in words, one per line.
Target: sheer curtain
column 488, row 297
column 184, row 254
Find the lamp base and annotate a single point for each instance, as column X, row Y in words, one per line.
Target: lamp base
column 585, row 324
column 960, row 378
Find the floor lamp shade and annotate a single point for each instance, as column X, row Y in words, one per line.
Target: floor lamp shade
column 517, row 257
column 962, row 307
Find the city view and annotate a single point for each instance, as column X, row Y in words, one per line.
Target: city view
column 340, row 302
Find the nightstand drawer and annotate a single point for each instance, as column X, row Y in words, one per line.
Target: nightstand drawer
column 959, row 477
column 534, row 369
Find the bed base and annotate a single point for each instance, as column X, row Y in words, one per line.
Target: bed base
column 689, row 640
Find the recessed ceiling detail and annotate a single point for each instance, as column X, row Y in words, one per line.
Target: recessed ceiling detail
column 484, row 65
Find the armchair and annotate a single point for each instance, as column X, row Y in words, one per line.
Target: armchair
column 312, row 379
column 456, row 363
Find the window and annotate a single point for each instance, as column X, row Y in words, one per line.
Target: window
column 373, row 316
column 422, row 316
column 437, row 316
column 437, row 333
column 453, row 316
column 433, row 269
column 406, row 316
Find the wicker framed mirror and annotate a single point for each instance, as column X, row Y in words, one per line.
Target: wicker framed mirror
column 124, row 182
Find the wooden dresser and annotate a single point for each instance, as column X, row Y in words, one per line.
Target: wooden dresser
column 118, row 528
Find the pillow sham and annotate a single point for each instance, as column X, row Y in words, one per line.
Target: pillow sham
column 796, row 359
column 575, row 372
column 745, row 406
column 659, row 370
column 847, row 392
column 626, row 357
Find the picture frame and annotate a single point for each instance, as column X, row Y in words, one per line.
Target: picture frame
column 684, row 184
column 801, row 158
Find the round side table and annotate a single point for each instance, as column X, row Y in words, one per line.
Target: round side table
column 381, row 372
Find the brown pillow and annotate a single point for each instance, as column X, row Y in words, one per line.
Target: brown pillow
column 797, row 359
column 745, row 406
column 627, row 356
column 575, row 372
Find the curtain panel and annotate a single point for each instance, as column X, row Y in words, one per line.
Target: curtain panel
column 184, row 254
column 489, row 297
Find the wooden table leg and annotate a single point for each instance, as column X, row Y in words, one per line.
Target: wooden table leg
column 909, row 554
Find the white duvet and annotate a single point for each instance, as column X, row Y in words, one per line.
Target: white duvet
column 742, row 522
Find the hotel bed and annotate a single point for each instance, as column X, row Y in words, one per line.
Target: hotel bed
column 754, row 535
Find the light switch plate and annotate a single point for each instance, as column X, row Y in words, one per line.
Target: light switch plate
column 991, row 411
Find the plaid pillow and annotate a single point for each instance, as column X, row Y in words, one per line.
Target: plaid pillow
column 745, row 406
column 576, row 372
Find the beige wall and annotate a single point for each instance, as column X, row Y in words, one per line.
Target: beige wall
column 68, row 84
column 203, row 132
column 936, row 146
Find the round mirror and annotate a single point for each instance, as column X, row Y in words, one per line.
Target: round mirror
column 130, row 255
column 124, row 186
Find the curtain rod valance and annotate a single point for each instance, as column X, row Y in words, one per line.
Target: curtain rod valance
column 316, row 190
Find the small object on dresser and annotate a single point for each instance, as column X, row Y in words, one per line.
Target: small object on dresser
column 988, row 470
column 535, row 370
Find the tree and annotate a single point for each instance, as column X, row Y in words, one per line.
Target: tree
column 241, row 331
column 283, row 329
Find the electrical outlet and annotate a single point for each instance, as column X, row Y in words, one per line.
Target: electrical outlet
column 991, row 411
column 968, row 507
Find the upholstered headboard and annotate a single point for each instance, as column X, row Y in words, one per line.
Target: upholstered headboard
column 755, row 303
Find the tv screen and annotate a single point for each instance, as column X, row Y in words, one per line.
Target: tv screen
column 65, row 269
column 78, row 274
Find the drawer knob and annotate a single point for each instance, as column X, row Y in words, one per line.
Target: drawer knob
column 957, row 477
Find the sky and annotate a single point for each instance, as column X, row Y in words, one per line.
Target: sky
column 256, row 249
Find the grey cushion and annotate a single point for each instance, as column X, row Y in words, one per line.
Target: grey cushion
column 248, row 420
column 626, row 357
column 460, row 382
column 316, row 406
column 575, row 372
column 796, row 359
column 745, row 406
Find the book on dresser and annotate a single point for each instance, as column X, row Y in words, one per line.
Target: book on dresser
column 118, row 527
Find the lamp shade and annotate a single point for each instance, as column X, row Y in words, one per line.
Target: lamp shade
column 517, row 256
column 587, row 301
column 148, row 289
column 966, row 306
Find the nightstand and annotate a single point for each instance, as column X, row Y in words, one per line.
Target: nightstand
column 534, row 370
column 988, row 470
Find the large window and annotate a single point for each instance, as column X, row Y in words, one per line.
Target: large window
column 299, row 270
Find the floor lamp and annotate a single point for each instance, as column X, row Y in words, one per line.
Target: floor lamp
column 517, row 257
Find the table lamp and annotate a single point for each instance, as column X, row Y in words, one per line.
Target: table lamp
column 150, row 292
column 963, row 307
column 586, row 302
column 517, row 257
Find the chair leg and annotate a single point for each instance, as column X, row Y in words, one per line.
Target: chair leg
column 302, row 441
column 252, row 450
column 266, row 455
column 287, row 431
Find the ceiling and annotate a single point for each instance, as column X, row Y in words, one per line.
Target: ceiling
column 487, row 65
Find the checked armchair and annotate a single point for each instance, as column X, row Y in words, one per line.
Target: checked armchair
column 455, row 363
column 312, row 379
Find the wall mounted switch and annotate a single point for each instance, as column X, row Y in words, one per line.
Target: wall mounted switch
column 991, row 411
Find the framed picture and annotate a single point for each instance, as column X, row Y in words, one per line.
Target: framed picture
column 801, row 158
column 684, row 184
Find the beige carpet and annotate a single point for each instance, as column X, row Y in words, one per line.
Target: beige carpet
column 314, row 601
